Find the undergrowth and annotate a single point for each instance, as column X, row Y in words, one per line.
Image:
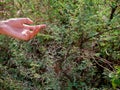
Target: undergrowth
column 79, row 49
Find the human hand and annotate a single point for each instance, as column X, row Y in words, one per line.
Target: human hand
column 19, row 28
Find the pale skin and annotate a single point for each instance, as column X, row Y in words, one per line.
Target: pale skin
column 19, row 28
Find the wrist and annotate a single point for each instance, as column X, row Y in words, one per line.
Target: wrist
column 2, row 26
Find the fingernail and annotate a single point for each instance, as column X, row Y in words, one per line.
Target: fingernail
column 42, row 26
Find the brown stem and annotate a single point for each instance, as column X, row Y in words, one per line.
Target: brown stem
column 114, row 8
column 112, row 12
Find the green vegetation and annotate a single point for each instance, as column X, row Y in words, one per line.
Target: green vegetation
column 79, row 49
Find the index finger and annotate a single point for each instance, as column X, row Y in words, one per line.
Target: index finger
column 25, row 20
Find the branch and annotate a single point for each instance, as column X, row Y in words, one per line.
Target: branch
column 114, row 8
column 112, row 12
column 98, row 34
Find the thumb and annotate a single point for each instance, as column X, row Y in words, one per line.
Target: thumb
column 37, row 29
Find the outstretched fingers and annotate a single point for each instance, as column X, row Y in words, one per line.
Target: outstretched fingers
column 32, row 31
column 36, row 30
column 34, row 27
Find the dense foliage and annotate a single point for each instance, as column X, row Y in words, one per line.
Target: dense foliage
column 79, row 49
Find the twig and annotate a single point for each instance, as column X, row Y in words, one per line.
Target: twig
column 101, row 65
